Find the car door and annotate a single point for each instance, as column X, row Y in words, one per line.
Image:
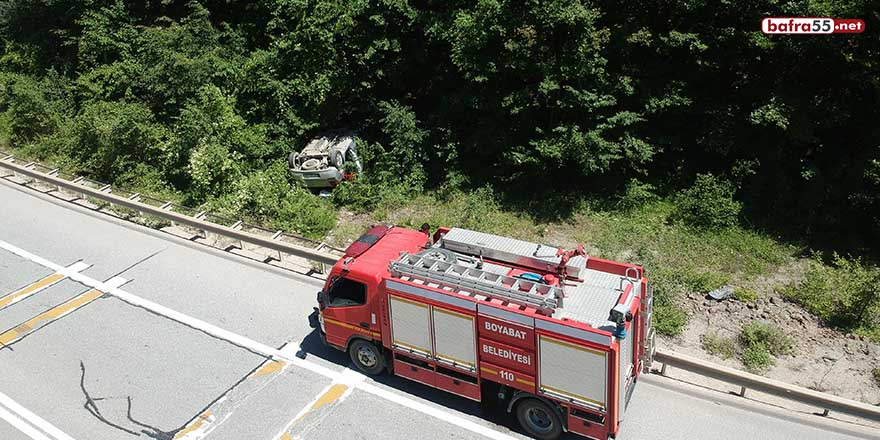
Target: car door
column 347, row 311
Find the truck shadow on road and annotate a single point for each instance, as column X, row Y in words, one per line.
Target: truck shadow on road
column 489, row 411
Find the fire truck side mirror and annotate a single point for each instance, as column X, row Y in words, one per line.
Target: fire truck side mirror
column 322, row 299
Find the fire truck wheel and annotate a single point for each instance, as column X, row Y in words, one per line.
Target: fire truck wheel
column 538, row 419
column 366, row 357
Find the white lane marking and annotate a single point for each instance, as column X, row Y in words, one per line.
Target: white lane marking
column 40, row 285
column 35, row 426
column 263, row 349
column 111, row 284
column 21, row 425
column 78, row 267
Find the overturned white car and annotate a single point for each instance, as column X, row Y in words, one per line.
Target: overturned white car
column 322, row 163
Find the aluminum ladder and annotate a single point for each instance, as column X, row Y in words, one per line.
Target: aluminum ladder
column 444, row 274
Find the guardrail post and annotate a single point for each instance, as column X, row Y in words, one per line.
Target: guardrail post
column 742, row 391
column 76, row 181
column 663, row 370
column 277, row 236
column 237, row 227
column 825, row 413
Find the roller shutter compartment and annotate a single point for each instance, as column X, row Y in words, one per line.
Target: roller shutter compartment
column 410, row 325
column 572, row 372
column 454, row 339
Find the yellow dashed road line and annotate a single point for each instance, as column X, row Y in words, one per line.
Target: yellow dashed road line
column 337, row 391
column 194, row 425
column 57, row 312
column 333, row 394
column 270, row 367
column 50, row 315
column 31, row 289
column 39, row 285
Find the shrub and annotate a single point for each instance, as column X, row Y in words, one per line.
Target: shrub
column 267, row 197
column 709, row 203
column 843, row 294
column 719, row 345
column 368, row 194
column 760, row 342
column 757, row 359
column 33, row 107
column 762, row 334
column 108, row 139
column 669, row 320
column 212, row 169
column 636, row 194
column 745, row 295
column 211, row 118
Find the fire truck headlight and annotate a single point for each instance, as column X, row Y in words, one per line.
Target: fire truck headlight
column 321, row 322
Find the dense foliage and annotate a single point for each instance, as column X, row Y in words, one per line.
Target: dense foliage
column 202, row 98
column 844, row 294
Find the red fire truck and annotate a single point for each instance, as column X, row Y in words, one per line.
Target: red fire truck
column 558, row 337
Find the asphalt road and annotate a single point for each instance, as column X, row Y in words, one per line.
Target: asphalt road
column 180, row 351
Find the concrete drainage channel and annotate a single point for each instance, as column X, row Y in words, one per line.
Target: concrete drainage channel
column 312, row 258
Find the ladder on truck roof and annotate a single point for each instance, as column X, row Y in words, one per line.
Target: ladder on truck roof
column 460, row 277
column 510, row 250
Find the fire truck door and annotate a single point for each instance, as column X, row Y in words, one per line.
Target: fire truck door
column 347, row 312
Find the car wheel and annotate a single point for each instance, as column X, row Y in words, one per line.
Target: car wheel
column 311, row 164
column 366, row 357
column 291, row 160
column 538, row 419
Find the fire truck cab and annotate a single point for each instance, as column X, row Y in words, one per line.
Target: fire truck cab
column 558, row 337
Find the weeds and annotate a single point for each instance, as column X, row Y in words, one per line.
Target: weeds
column 757, row 359
column 719, row 345
column 669, row 320
column 745, row 295
column 767, row 335
column 678, row 259
column 757, row 345
column 761, row 342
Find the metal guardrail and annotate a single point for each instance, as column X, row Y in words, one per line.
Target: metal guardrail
column 748, row 381
column 325, row 254
column 203, row 221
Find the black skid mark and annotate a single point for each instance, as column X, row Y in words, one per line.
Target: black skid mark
column 92, row 408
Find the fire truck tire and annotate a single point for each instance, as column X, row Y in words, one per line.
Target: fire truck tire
column 538, row 419
column 366, row 357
